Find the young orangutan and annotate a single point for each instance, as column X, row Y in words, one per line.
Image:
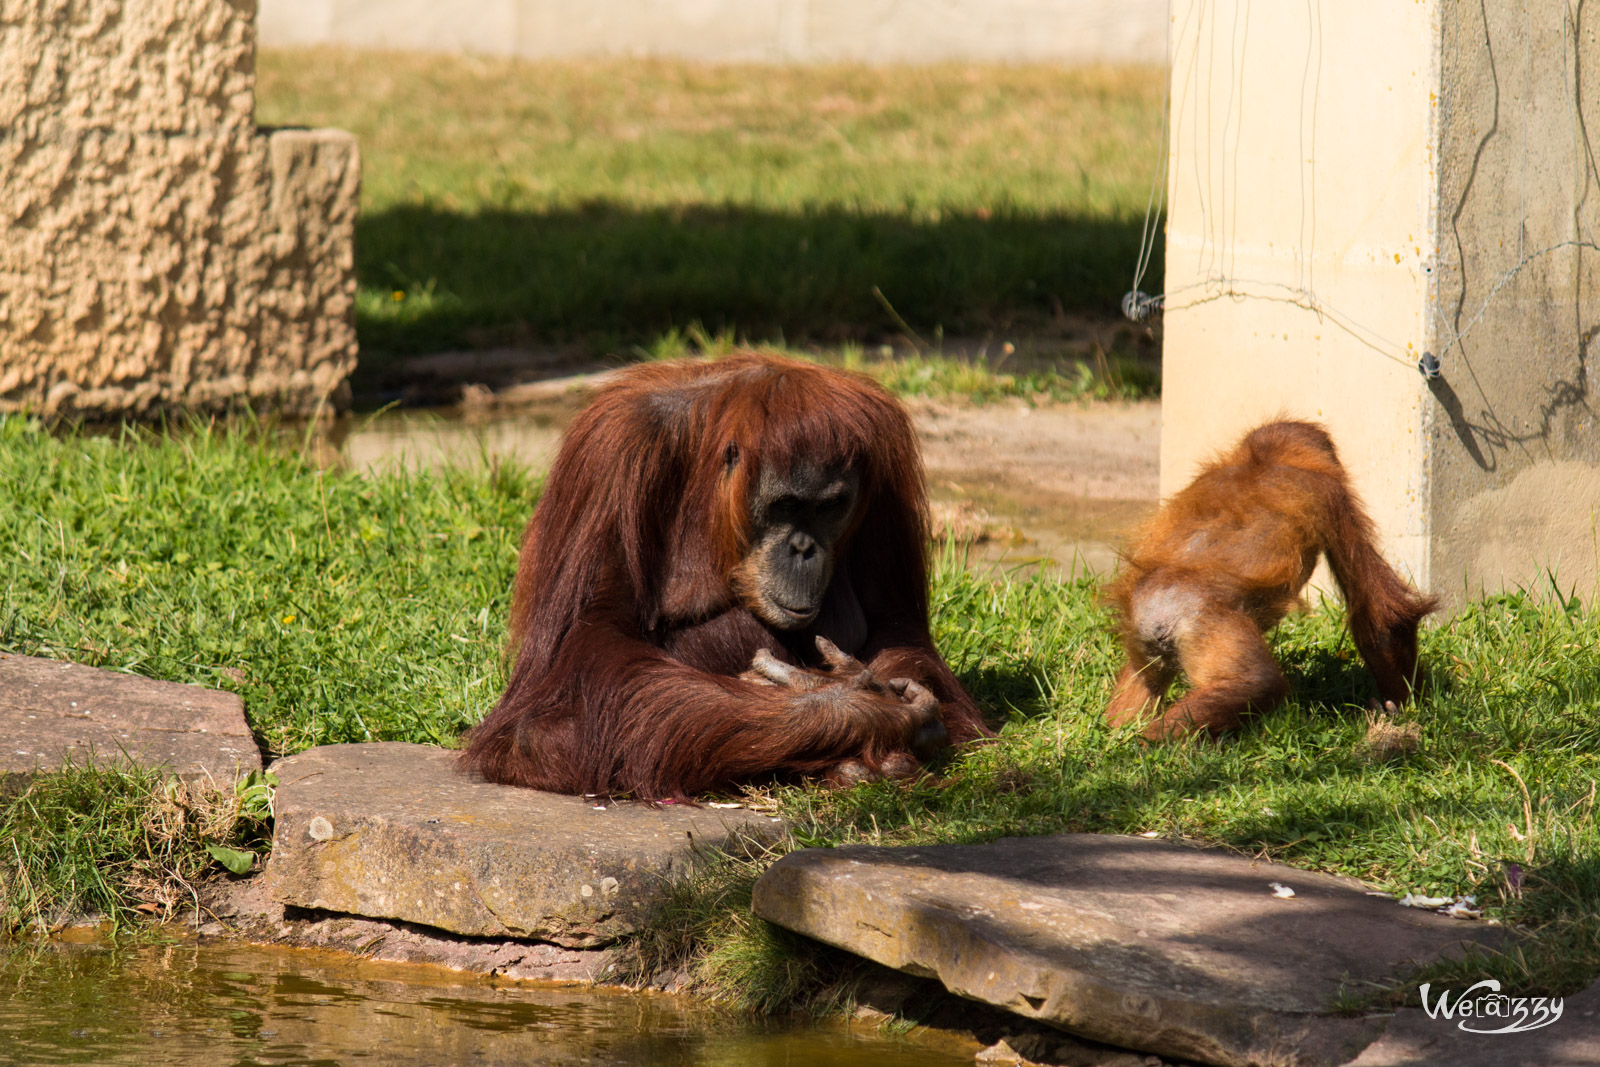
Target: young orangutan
column 1226, row 558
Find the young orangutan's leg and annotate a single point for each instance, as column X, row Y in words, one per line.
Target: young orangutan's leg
column 1231, row 670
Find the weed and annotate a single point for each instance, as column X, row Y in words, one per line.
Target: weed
column 118, row 841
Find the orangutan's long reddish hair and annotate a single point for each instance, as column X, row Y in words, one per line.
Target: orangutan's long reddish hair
column 629, row 642
column 1227, row 557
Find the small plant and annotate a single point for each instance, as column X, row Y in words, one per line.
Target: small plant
column 692, row 342
column 116, row 841
column 252, row 822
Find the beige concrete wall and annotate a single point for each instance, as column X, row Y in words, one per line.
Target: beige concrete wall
column 1353, row 185
column 881, row 31
column 159, row 66
column 1514, row 434
column 156, row 250
column 1297, row 240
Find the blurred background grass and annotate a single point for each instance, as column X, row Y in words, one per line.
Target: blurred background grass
column 606, row 203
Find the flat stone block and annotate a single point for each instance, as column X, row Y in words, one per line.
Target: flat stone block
column 53, row 712
column 394, row 831
column 242, row 909
column 1179, row 951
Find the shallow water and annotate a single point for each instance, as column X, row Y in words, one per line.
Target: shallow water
column 192, row 1003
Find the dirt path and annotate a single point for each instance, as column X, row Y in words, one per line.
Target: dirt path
column 1056, row 484
column 1066, row 480
column 1096, row 451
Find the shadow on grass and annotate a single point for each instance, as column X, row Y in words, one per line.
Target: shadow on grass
column 1003, row 692
column 433, row 278
column 1328, row 681
column 1335, row 682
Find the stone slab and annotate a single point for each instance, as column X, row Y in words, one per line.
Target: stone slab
column 53, row 712
column 395, row 831
column 1414, row 1039
column 1149, row 945
column 242, row 909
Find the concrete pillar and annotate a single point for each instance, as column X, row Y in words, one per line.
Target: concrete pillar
column 157, row 250
column 1354, row 187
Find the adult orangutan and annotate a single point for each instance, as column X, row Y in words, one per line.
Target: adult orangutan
column 1226, row 558
column 726, row 578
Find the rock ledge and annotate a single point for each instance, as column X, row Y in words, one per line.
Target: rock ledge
column 1179, row 951
column 395, row 831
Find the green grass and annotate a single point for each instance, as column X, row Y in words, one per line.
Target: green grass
column 945, row 377
column 340, row 608
column 120, row 842
column 1515, row 700
column 930, row 373
column 352, row 608
column 608, row 202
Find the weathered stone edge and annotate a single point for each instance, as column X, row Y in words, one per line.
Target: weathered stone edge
column 793, row 895
column 621, row 898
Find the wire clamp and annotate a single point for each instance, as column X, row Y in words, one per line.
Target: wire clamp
column 1138, row 306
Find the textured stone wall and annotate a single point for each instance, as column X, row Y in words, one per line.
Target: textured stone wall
column 156, row 249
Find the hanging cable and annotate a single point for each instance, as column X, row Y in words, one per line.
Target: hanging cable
column 1138, row 305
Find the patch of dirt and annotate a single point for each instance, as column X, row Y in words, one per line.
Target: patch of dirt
column 1102, row 451
column 1066, row 481
column 1055, row 485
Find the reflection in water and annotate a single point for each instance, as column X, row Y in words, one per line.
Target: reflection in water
column 190, row 1003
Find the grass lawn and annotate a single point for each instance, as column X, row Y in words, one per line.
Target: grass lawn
column 354, row 608
column 932, row 374
column 605, row 203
